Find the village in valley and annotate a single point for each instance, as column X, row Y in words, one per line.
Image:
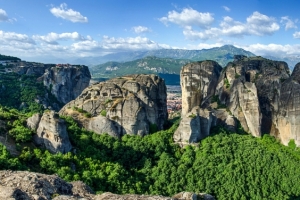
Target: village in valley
column 173, row 98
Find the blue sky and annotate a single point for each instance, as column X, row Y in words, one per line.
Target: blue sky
column 53, row 30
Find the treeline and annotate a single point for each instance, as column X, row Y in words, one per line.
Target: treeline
column 226, row 165
column 4, row 58
column 24, row 93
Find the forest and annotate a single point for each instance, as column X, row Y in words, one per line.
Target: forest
column 226, row 165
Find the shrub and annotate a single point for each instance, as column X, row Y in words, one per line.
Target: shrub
column 103, row 113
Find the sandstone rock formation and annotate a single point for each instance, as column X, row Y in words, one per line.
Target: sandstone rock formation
column 51, row 132
column 134, row 104
column 286, row 124
column 66, row 82
column 249, row 87
column 23, row 185
column 256, row 92
column 198, row 83
column 30, row 186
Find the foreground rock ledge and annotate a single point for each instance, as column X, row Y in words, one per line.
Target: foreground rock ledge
column 23, row 185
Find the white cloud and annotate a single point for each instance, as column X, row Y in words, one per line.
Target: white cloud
column 3, row 16
column 260, row 24
column 288, row 22
column 112, row 44
column 226, row 8
column 12, row 37
column 192, row 34
column 273, row 49
column 52, row 38
column 188, row 17
column 140, row 29
column 205, row 46
column 296, row 35
column 68, row 14
column 256, row 24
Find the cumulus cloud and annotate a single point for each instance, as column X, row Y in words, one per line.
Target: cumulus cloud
column 226, row 8
column 12, row 37
column 112, row 44
column 140, row 29
column 188, row 17
column 68, row 14
column 273, row 49
column 256, row 24
column 288, row 22
column 52, row 38
column 296, row 35
column 192, row 34
column 3, row 16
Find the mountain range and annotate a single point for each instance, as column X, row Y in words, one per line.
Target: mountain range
column 164, row 62
column 222, row 55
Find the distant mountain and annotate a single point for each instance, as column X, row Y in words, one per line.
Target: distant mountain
column 222, row 55
column 167, row 68
column 165, row 62
column 291, row 60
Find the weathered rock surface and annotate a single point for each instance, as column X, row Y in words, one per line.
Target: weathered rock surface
column 51, row 132
column 286, row 124
column 256, row 92
column 28, row 185
column 198, row 83
column 127, row 105
column 261, row 79
column 194, row 126
column 23, row 185
column 67, row 82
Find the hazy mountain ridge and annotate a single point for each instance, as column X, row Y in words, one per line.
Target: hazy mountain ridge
column 222, row 55
column 147, row 65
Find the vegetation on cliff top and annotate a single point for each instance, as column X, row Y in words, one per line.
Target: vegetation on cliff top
column 226, row 165
column 24, row 93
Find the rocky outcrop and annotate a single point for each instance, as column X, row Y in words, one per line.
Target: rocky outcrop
column 134, row 104
column 198, row 83
column 257, row 93
column 51, row 132
column 286, row 123
column 194, row 126
column 30, row 186
column 249, row 88
column 66, row 82
column 23, row 185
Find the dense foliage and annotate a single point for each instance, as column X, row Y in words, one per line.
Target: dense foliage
column 9, row 58
column 23, row 92
column 227, row 165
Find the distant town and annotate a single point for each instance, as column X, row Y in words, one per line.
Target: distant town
column 173, row 98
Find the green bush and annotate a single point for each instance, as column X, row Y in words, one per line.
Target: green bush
column 103, row 113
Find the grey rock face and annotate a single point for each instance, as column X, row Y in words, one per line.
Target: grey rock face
column 28, row 185
column 194, row 126
column 286, row 124
column 126, row 105
column 272, row 103
column 67, row 82
column 198, row 83
column 33, row 121
column 16, row 185
column 51, row 132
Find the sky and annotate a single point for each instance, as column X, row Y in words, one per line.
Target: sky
column 55, row 30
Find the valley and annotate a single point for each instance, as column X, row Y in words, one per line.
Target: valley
column 135, row 134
